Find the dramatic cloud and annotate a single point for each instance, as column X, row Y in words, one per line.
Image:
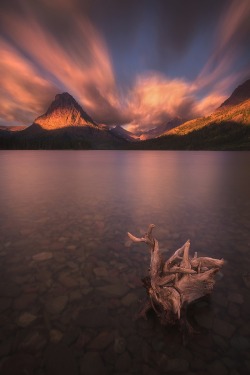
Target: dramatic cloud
column 138, row 64
column 80, row 66
column 155, row 99
column 23, row 92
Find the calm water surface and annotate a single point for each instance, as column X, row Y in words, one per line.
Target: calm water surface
column 71, row 310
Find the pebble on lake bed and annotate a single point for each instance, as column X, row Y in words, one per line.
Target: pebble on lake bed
column 26, row 319
column 42, row 256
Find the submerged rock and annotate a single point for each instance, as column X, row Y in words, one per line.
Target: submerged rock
column 55, row 335
column 56, row 305
column 26, row 319
column 42, row 256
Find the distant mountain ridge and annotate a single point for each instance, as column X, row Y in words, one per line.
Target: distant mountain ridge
column 125, row 134
column 161, row 129
column 239, row 95
column 65, row 125
column 13, row 128
column 227, row 128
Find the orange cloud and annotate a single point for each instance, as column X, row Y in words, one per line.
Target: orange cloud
column 155, row 99
column 23, row 91
column 80, row 63
column 225, row 49
column 82, row 67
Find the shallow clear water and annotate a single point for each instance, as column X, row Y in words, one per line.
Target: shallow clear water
column 74, row 312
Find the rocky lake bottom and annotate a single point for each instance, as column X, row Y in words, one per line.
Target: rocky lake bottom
column 71, row 279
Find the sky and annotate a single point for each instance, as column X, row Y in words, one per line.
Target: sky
column 133, row 63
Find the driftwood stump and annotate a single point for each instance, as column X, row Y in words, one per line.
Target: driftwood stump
column 174, row 284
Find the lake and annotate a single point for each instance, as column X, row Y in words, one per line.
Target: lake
column 71, row 278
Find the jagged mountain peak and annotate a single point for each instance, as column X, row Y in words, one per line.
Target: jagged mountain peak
column 239, row 95
column 64, row 111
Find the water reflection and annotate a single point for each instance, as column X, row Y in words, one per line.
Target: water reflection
column 77, row 206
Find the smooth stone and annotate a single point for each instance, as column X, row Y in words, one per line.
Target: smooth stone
column 217, row 368
column 123, row 362
column 100, row 272
column 129, row 299
column 56, row 305
column 71, row 247
column 24, row 301
column 92, row 364
column 59, row 360
column 102, row 341
column 26, row 319
column 113, row 290
column 177, row 365
column 68, row 281
column 236, row 298
column 223, row 328
column 55, row 336
column 40, row 257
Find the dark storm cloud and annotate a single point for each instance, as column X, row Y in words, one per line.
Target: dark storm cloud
column 139, row 62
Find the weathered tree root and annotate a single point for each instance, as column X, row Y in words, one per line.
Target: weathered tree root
column 174, row 284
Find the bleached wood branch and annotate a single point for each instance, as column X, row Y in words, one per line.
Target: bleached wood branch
column 178, row 281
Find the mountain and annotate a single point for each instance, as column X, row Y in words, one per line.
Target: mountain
column 65, row 125
column 161, row 129
column 13, row 128
column 64, row 111
column 125, row 134
column 227, row 128
column 239, row 95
